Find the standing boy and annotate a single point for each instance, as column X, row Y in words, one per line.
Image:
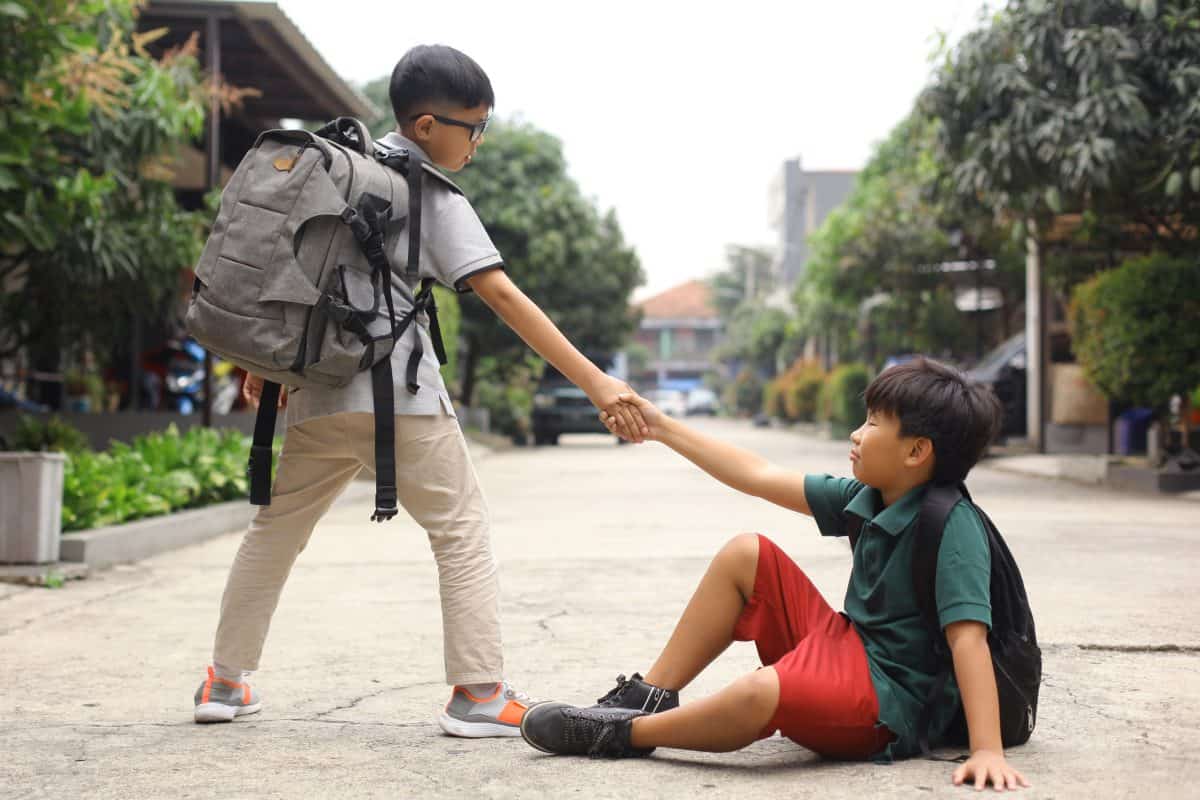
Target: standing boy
column 442, row 101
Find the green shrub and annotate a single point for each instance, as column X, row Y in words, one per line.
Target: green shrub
column 772, row 403
column 803, row 394
column 841, row 399
column 801, row 384
column 450, row 322
column 510, row 407
column 1135, row 329
column 159, row 473
column 745, row 393
column 51, row 434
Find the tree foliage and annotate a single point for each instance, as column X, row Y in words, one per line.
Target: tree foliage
column 89, row 229
column 876, row 279
column 1089, row 106
column 748, row 277
column 570, row 258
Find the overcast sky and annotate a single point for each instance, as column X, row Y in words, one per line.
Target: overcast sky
column 675, row 114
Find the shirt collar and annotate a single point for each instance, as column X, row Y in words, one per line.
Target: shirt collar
column 396, row 139
column 868, row 504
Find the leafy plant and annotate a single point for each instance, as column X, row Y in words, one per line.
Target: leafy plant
column 156, row 474
column 842, row 394
column 52, row 434
column 1135, row 329
column 744, row 394
column 804, row 391
column 88, row 120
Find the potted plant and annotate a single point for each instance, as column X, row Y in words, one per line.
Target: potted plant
column 31, row 487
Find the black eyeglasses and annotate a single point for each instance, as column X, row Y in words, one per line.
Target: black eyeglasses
column 476, row 128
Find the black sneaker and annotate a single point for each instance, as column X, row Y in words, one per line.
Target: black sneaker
column 565, row 729
column 636, row 693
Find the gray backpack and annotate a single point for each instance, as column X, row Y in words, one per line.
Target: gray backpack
column 294, row 280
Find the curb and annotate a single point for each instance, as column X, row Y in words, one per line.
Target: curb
column 134, row 541
column 1091, row 470
column 1082, row 470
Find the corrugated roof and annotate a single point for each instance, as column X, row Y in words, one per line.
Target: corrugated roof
column 691, row 300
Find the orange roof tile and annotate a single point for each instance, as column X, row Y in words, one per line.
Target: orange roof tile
column 691, row 300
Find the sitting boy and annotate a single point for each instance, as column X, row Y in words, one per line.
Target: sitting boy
column 850, row 685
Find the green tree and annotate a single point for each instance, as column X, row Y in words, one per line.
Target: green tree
column 747, row 278
column 1084, row 106
column 567, row 256
column 875, row 274
column 90, row 233
column 377, row 92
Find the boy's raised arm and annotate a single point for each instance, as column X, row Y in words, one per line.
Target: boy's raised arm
column 536, row 329
column 740, row 469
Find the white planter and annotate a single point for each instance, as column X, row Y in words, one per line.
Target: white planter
column 31, row 487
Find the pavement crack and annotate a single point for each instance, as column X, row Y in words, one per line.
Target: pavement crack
column 105, row 725
column 319, row 716
column 88, row 603
column 1069, row 691
column 1142, row 648
column 357, row 723
column 543, row 623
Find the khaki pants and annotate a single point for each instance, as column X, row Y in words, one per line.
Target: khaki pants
column 437, row 486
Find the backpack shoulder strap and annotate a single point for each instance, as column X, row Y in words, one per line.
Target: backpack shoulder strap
column 939, row 501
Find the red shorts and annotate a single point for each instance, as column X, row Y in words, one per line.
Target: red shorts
column 827, row 701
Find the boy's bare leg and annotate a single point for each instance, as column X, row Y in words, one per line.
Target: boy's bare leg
column 706, row 628
column 728, row 720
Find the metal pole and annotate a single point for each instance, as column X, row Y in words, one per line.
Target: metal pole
column 212, row 52
column 1035, row 340
column 978, row 309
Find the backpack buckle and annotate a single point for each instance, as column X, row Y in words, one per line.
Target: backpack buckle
column 385, row 504
column 383, row 514
column 334, row 308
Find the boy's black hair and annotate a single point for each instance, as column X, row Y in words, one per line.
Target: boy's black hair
column 435, row 73
column 940, row 403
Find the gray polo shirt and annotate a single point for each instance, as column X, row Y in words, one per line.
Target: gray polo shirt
column 454, row 246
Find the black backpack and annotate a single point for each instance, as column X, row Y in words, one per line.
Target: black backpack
column 1016, row 658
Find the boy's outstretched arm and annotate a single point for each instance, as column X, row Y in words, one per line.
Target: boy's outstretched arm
column 977, row 682
column 745, row 471
column 535, row 328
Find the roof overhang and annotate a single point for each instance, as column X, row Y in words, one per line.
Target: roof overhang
column 262, row 48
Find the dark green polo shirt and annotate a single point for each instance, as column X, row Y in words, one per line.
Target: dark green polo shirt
column 883, row 607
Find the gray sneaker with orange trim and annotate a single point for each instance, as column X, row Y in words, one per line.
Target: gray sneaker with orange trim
column 220, row 700
column 499, row 714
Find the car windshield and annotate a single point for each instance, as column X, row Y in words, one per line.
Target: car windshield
column 1001, row 355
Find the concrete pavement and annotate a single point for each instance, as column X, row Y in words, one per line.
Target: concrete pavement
column 600, row 547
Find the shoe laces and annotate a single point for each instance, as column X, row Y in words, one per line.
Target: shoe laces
column 516, row 694
column 614, row 695
column 583, row 728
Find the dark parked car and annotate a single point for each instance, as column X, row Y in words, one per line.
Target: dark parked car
column 1004, row 370
column 560, row 406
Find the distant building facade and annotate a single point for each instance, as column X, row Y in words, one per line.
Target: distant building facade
column 798, row 202
column 681, row 329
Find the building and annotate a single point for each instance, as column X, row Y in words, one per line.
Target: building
column 253, row 48
column 681, row 330
column 797, row 203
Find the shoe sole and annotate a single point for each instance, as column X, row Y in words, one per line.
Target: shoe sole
column 476, row 730
column 219, row 712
